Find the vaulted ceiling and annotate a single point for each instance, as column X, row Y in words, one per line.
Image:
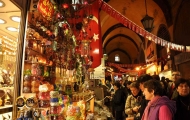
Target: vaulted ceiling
column 118, row 39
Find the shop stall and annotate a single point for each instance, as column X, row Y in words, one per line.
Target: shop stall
column 61, row 47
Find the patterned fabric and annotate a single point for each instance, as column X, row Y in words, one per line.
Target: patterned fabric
column 153, row 110
column 131, row 102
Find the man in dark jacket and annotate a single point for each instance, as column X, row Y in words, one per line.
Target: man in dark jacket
column 118, row 101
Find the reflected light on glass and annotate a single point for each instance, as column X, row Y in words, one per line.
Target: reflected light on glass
column 2, row 4
column 2, row 21
column 12, row 29
column 15, row 18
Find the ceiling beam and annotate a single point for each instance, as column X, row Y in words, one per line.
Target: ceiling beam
column 111, row 29
column 121, row 35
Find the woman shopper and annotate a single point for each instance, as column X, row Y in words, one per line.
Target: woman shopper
column 159, row 107
column 132, row 104
column 143, row 103
column 183, row 99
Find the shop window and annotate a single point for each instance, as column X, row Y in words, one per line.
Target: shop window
column 8, row 52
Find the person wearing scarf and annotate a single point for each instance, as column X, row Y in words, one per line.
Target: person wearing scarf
column 159, row 107
column 133, row 101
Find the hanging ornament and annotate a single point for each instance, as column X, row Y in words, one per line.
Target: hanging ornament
column 65, row 26
column 85, row 48
column 66, row 31
column 85, row 2
column 65, row 6
column 58, row 15
column 78, row 42
column 77, row 50
column 79, row 26
column 55, row 7
column 85, row 21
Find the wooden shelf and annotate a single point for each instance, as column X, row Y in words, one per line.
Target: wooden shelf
column 30, row 62
column 6, row 106
column 35, row 52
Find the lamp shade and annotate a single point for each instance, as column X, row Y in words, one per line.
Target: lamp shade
column 147, row 22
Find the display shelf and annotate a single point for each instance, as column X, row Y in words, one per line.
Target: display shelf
column 5, row 106
column 34, row 51
column 40, row 63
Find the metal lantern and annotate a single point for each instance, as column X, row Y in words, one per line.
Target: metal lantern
column 147, row 22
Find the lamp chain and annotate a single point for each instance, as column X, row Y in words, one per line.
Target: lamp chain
column 146, row 7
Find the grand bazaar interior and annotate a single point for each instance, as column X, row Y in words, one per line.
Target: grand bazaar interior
column 54, row 54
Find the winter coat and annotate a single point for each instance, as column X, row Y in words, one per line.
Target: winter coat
column 183, row 108
column 118, row 100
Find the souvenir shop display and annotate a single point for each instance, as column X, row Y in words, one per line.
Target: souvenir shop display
column 57, row 55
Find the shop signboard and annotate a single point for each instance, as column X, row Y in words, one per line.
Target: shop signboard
column 99, row 72
column 46, row 8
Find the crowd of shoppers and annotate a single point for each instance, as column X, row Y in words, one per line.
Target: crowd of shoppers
column 152, row 98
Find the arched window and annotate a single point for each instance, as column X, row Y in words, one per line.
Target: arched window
column 117, row 58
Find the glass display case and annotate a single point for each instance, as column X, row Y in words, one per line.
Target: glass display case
column 9, row 33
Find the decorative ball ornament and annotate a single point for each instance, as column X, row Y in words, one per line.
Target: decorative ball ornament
column 85, row 21
column 26, row 77
column 85, row 2
column 26, row 89
column 65, row 26
column 35, row 83
column 55, row 7
column 43, row 88
column 77, row 50
column 27, row 83
column 65, row 6
column 58, row 15
column 34, row 89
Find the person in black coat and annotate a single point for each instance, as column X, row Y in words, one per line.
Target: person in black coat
column 118, row 101
column 183, row 99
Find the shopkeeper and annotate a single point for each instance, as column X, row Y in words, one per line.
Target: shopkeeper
column 118, row 101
